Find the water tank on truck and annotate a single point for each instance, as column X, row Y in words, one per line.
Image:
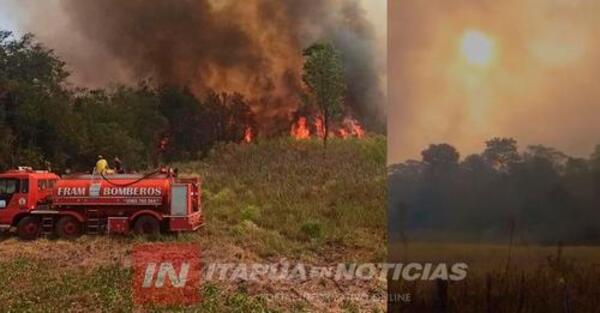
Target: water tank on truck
column 95, row 204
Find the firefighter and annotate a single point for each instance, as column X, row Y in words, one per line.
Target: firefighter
column 101, row 165
column 118, row 165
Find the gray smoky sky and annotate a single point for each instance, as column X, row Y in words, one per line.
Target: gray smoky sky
column 531, row 71
column 252, row 47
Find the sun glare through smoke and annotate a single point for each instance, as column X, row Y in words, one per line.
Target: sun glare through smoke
column 477, row 48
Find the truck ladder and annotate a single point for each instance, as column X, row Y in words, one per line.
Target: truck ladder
column 93, row 222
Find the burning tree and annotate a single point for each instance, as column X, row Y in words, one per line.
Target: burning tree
column 324, row 77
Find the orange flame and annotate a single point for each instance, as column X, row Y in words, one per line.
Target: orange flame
column 248, row 135
column 300, row 129
column 343, row 133
column 355, row 129
column 348, row 128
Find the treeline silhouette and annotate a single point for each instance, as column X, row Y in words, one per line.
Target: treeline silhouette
column 44, row 122
column 538, row 195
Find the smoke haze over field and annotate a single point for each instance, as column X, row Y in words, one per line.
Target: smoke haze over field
column 529, row 70
column 252, row 47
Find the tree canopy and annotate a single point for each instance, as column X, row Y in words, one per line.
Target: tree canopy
column 546, row 195
column 324, row 77
column 45, row 123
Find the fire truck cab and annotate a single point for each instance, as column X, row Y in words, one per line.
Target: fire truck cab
column 21, row 191
column 43, row 203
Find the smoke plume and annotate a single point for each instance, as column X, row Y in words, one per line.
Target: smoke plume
column 252, row 47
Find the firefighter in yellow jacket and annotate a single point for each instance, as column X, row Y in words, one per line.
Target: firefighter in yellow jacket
column 101, row 165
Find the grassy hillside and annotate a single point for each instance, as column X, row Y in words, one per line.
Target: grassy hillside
column 263, row 202
column 289, row 196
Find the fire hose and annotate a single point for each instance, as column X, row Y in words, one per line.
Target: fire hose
column 146, row 176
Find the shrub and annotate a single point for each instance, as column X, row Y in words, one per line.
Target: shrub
column 250, row 213
column 313, row 230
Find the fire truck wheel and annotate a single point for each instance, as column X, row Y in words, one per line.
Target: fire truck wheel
column 29, row 228
column 68, row 227
column 147, row 225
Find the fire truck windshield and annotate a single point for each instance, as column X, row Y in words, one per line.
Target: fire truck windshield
column 8, row 186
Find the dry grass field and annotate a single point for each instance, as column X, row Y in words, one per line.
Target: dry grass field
column 533, row 279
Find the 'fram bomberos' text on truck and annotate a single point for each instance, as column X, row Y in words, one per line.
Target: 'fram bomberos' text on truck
column 40, row 202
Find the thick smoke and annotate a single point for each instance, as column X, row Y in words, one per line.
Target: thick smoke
column 540, row 88
column 252, row 47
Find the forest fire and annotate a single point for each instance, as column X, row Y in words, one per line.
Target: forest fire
column 303, row 129
column 353, row 128
column 260, row 54
column 300, row 129
column 248, row 135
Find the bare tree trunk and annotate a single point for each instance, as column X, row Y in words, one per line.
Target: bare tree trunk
column 566, row 299
column 521, row 299
column 489, row 306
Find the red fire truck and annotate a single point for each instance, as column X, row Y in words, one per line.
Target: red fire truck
column 42, row 203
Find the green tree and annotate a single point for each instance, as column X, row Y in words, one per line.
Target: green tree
column 102, row 128
column 440, row 156
column 324, row 77
column 501, row 153
column 196, row 125
column 556, row 158
column 33, row 103
column 595, row 158
column 137, row 111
